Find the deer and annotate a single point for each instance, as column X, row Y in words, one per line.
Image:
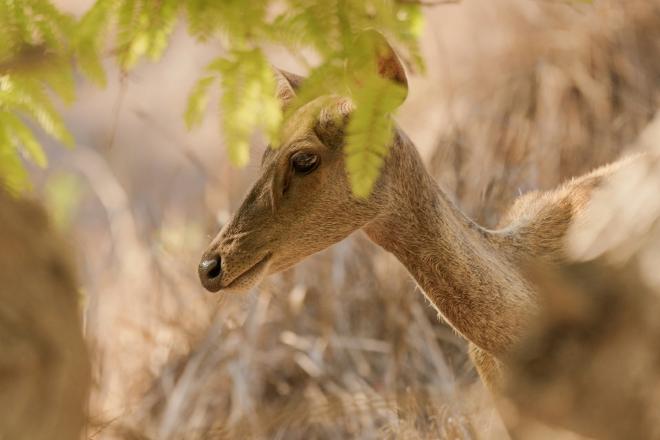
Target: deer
column 474, row 277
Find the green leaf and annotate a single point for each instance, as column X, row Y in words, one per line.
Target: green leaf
column 198, row 101
column 248, row 101
column 326, row 79
column 90, row 63
column 12, row 174
column 144, row 30
column 24, row 136
column 161, row 27
column 28, row 95
column 317, row 23
column 322, row 30
column 90, row 36
column 136, row 48
column 60, row 79
column 369, row 132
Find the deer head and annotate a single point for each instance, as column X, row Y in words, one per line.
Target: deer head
column 302, row 202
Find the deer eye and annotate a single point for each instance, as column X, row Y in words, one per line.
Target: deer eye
column 304, row 163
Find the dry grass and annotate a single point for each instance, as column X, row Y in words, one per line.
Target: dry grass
column 343, row 346
column 593, row 361
column 558, row 91
column 44, row 371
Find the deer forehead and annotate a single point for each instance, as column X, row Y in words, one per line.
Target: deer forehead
column 318, row 114
column 319, row 123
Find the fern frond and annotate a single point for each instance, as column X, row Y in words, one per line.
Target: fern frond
column 90, row 34
column 21, row 25
column 317, row 22
column 12, row 173
column 22, row 135
column 27, row 95
column 60, row 79
column 198, row 101
column 369, row 132
column 203, row 17
column 241, row 22
column 161, row 27
column 35, row 56
column 143, row 28
column 248, row 101
column 326, row 79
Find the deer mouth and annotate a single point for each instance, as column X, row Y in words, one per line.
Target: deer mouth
column 249, row 277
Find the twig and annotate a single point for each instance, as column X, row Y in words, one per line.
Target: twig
column 170, row 136
column 123, row 85
column 429, row 2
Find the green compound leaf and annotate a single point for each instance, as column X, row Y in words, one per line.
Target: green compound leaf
column 89, row 39
column 369, row 132
column 22, row 136
column 248, row 101
column 198, row 101
column 12, row 173
column 126, row 31
column 28, row 96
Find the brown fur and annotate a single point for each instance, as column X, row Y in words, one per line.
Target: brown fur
column 470, row 274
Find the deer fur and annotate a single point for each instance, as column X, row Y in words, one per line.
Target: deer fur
column 471, row 275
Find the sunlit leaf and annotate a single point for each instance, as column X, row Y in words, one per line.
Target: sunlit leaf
column 198, row 101
column 12, row 174
column 127, row 31
column 369, row 132
column 248, row 101
column 24, row 137
column 89, row 39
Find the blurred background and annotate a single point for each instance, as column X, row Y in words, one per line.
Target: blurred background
column 518, row 95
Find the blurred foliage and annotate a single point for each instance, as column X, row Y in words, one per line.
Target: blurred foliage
column 63, row 194
column 35, row 56
column 39, row 46
column 369, row 132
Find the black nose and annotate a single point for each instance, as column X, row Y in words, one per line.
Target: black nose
column 210, row 270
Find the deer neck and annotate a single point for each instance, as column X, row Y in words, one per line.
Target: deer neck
column 475, row 288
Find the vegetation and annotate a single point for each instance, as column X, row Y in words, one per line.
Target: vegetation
column 518, row 95
column 44, row 367
column 41, row 45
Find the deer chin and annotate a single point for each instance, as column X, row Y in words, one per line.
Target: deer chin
column 280, row 265
column 249, row 278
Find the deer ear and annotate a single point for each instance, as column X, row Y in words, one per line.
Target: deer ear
column 372, row 42
column 287, row 85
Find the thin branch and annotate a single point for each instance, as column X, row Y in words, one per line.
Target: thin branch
column 429, row 2
column 123, row 86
